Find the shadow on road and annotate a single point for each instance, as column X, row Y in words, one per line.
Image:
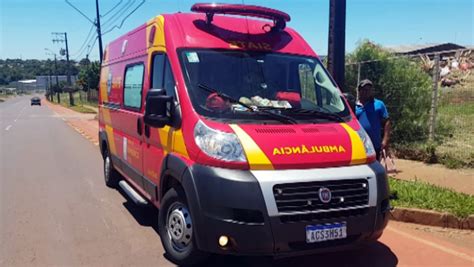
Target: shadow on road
column 375, row 255
column 145, row 216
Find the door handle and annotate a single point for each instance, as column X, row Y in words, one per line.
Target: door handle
column 147, row 131
column 139, row 126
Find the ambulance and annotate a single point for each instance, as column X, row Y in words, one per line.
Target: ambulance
column 227, row 121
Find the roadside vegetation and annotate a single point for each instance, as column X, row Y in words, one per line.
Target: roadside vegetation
column 457, row 110
column 405, row 85
column 85, row 95
column 80, row 102
column 415, row 194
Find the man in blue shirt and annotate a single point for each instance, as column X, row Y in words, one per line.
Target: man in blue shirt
column 373, row 116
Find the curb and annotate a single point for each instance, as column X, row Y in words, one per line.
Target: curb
column 77, row 129
column 432, row 218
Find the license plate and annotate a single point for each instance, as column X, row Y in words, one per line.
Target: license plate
column 325, row 232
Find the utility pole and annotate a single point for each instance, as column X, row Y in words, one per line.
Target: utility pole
column 337, row 40
column 50, row 87
column 57, row 80
column 63, row 38
column 99, row 35
column 96, row 23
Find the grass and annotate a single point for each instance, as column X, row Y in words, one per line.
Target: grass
column 456, row 110
column 80, row 103
column 454, row 146
column 425, row 196
column 459, row 146
column 82, row 109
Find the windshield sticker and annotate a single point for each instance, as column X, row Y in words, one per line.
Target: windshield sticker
column 192, row 57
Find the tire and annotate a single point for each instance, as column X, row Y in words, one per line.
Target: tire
column 111, row 176
column 176, row 231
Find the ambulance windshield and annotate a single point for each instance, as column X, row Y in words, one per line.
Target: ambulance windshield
column 295, row 86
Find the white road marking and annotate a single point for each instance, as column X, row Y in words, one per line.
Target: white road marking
column 8, row 128
column 19, row 114
column 434, row 245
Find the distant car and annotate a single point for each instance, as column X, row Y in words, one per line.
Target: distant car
column 36, row 101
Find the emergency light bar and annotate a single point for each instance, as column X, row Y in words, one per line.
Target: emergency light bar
column 280, row 18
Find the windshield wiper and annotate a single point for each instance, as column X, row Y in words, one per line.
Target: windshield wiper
column 254, row 109
column 310, row 112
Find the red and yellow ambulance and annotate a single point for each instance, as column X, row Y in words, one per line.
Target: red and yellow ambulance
column 226, row 120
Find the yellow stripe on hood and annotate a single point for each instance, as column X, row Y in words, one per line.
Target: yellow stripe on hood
column 358, row 151
column 255, row 156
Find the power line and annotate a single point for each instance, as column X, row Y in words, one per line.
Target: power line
column 92, row 46
column 85, row 41
column 80, row 12
column 110, row 10
column 96, row 23
column 119, row 12
column 87, row 46
column 124, row 19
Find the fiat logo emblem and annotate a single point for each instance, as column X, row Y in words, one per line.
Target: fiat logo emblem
column 325, row 195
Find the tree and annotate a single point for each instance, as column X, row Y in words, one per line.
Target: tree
column 89, row 76
column 16, row 69
column 400, row 83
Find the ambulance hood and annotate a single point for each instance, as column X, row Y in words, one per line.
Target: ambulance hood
column 300, row 146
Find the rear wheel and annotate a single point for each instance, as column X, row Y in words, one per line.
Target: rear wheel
column 176, row 230
column 111, row 176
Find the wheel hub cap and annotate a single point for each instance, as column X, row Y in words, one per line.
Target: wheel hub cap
column 179, row 227
column 107, row 167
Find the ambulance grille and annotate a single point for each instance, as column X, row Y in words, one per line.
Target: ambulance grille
column 304, row 197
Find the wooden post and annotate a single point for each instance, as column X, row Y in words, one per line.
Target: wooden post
column 434, row 99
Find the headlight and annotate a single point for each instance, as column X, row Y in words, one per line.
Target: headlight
column 217, row 144
column 369, row 147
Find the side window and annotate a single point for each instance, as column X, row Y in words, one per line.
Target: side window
column 162, row 75
column 133, row 84
column 169, row 80
column 158, row 71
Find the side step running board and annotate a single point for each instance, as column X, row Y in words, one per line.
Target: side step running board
column 132, row 194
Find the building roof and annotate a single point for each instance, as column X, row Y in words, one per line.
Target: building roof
column 27, row 81
column 423, row 48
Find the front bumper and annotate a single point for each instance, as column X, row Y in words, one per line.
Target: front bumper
column 237, row 204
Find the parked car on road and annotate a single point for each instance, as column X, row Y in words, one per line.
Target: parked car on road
column 233, row 128
column 36, row 101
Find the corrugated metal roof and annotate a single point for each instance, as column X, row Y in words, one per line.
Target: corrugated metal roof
column 423, row 48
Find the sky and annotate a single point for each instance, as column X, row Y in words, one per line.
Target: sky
column 26, row 25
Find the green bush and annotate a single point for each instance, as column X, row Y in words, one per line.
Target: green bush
column 400, row 83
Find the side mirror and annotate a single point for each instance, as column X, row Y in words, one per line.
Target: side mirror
column 157, row 107
column 351, row 99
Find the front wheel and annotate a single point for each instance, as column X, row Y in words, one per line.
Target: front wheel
column 111, row 176
column 176, row 230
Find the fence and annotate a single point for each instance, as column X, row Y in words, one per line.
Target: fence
column 440, row 105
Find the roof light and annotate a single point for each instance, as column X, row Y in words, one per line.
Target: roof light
column 280, row 18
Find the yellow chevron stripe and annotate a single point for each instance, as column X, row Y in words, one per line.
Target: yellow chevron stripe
column 255, row 156
column 106, row 116
column 110, row 136
column 358, row 151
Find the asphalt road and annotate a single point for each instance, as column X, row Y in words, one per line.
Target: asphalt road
column 56, row 211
